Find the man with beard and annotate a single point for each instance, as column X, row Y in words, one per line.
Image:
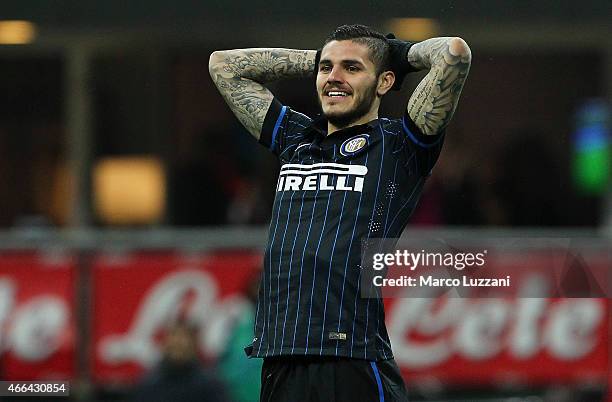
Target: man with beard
column 345, row 177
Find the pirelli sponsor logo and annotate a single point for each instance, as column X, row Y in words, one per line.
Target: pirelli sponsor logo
column 321, row 176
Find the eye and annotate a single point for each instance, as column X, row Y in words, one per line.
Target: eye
column 352, row 68
column 325, row 68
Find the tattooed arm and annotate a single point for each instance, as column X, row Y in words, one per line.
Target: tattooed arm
column 435, row 99
column 240, row 76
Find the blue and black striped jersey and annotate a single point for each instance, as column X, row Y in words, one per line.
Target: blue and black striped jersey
column 333, row 192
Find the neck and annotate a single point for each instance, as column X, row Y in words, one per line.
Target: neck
column 372, row 115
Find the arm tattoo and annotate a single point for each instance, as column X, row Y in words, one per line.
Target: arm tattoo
column 435, row 99
column 240, row 74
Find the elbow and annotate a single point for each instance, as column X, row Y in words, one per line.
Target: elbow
column 459, row 47
column 216, row 59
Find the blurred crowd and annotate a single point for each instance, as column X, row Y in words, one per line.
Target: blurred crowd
column 508, row 159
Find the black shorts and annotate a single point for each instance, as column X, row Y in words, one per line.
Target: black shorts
column 330, row 379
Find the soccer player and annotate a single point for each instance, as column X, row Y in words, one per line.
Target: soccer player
column 345, row 176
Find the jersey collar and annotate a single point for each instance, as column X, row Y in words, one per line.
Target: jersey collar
column 319, row 126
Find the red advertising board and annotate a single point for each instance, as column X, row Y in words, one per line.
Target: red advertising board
column 517, row 337
column 37, row 323
column 457, row 341
column 135, row 296
column 506, row 341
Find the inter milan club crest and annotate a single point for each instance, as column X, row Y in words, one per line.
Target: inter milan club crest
column 354, row 144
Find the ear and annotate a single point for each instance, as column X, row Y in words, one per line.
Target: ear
column 385, row 82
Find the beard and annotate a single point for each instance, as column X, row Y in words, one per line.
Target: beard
column 363, row 106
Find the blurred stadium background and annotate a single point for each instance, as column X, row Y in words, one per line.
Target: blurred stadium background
column 132, row 196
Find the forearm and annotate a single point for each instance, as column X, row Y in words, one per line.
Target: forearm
column 446, row 51
column 240, row 76
column 435, row 98
column 264, row 65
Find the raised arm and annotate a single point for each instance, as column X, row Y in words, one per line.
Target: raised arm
column 435, row 99
column 240, row 76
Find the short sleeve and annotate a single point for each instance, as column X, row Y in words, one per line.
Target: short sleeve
column 424, row 149
column 283, row 128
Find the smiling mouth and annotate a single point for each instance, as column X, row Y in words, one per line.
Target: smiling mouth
column 337, row 94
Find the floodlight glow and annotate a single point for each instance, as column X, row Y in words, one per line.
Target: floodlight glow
column 17, row 32
column 414, row 28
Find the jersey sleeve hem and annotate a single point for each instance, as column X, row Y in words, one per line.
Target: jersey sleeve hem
column 417, row 136
column 272, row 121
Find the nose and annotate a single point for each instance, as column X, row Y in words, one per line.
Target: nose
column 335, row 75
